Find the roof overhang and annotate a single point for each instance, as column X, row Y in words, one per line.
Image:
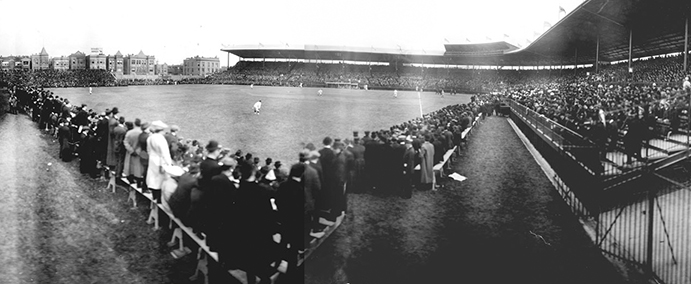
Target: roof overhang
column 657, row 27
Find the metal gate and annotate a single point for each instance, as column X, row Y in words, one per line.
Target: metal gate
column 651, row 229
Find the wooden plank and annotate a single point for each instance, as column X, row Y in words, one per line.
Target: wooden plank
column 238, row 274
column 316, row 242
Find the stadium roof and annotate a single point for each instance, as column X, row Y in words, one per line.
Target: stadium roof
column 657, row 28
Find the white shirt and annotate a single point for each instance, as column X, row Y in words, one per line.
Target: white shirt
column 257, row 105
column 687, row 85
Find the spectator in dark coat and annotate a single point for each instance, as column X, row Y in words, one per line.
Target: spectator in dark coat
column 290, row 201
column 438, row 149
column 171, row 136
column 64, row 139
column 141, row 150
column 87, row 154
column 312, row 188
column 181, row 199
column 358, row 151
column 111, row 156
column 118, row 145
column 252, row 246
column 102, row 134
column 220, row 201
column 326, row 159
column 82, row 117
column 343, row 163
column 209, row 167
column 409, row 169
column 634, row 138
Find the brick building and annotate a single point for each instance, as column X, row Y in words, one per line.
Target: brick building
column 115, row 63
column 60, row 63
column 201, row 66
column 139, row 64
column 96, row 60
column 40, row 61
column 161, row 69
column 77, row 61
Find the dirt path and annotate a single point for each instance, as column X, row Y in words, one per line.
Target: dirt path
column 61, row 227
column 11, row 264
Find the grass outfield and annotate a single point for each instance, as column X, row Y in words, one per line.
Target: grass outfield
column 289, row 116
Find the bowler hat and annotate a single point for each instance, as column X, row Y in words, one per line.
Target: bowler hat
column 212, row 146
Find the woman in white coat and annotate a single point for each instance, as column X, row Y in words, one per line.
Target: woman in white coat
column 159, row 156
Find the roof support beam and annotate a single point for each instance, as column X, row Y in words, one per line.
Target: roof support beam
column 630, row 45
column 601, row 16
column 686, row 45
column 576, row 61
column 597, row 55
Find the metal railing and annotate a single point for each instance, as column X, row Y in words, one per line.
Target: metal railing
column 579, row 148
column 572, row 157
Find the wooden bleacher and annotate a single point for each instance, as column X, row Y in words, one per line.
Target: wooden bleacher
column 314, row 243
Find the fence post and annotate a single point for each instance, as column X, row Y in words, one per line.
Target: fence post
column 597, row 222
column 651, row 213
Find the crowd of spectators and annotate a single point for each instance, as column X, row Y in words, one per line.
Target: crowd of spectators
column 225, row 191
column 601, row 112
column 50, row 78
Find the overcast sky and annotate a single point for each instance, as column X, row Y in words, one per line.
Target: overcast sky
column 175, row 30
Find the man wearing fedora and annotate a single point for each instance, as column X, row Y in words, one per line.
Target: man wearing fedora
column 111, row 155
column 209, row 166
column 143, row 154
column 159, row 156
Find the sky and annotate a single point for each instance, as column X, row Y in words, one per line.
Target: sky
column 175, row 30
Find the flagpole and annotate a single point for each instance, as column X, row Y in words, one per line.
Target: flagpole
column 420, row 102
